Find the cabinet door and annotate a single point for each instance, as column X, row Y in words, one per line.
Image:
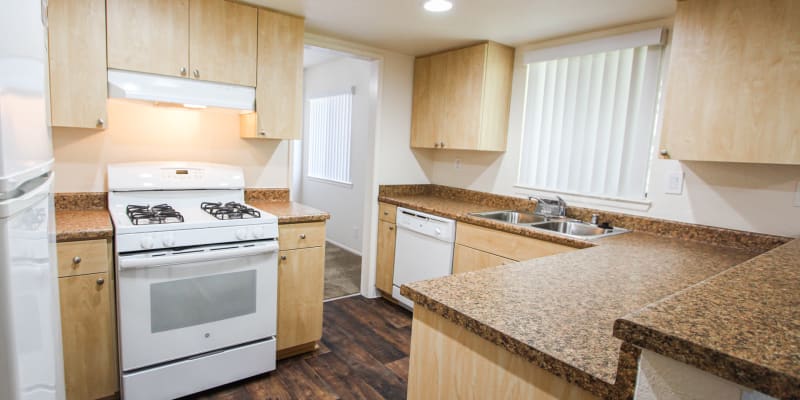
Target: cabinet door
column 423, row 115
column 149, row 36
column 301, row 281
column 466, row 259
column 88, row 336
column 387, row 234
column 458, row 80
column 279, row 83
column 77, row 52
column 222, row 41
column 732, row 88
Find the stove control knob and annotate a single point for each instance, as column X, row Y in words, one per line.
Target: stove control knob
column 168, row 241
column 147, row 242
column 241, row 234
column 258, row 233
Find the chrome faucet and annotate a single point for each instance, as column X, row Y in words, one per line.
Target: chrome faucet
column 550, row 207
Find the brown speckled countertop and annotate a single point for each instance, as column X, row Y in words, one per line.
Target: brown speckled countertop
column 290, row 212
column 72, row 225
column 742, row 325
column 558, row 312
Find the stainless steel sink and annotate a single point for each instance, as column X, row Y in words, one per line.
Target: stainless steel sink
column 513, row 217
column 560, row 225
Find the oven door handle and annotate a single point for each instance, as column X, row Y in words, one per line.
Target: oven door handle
column 196, row 257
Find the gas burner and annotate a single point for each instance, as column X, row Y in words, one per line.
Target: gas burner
column 158, row 214
column 229, row 210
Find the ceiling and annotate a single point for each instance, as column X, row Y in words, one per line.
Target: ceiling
column 403, row 26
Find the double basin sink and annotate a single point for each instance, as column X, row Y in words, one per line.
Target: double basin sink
column 560, row 225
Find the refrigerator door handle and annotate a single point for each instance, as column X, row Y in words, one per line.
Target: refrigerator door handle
column 28, row 197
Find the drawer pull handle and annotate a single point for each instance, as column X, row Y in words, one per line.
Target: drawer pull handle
column 283, row 258
column 302, row 236
column 76, row 260
column 100, row 281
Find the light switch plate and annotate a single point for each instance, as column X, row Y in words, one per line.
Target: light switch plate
column 797, row 195
column 674, row 183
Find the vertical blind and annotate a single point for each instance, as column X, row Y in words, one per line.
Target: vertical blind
column 589, row 122
column 329, row 132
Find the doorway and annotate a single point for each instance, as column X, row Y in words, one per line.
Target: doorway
column 331, row 166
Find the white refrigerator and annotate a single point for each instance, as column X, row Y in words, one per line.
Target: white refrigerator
column 31, row 362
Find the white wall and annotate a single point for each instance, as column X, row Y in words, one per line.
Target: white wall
column 139, row 131
column 345, row 203
column 755, row 198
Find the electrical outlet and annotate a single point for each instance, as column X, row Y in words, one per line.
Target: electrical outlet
column 458, row 163
column 674, row 183
column 797, row 195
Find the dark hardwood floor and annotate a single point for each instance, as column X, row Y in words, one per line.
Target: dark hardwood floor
column 363, row 355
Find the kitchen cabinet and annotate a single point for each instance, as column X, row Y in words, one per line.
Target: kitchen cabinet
column 88, row 319
column 505, row 245
column 731, row 90
column 466, row 259
column 387, row 236
column 149, row 36
column 210, row 40
column 301, row 284
column 461, row 98
column 279, row 83
column 77, row 62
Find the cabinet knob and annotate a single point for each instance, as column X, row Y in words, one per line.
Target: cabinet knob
column 196, row 73
column 436, row 145
column 76, row 260
column 100, row 281
column 262, row 133
column 283, row 258
column 441, row 144
column 391, row 228
column 302, row 236
column 385, row 213
column 664, row 152
column 100, row 122
column 183, row 71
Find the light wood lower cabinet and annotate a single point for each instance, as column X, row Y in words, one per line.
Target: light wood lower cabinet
column 387, row 235
column 466, row 259
column 450, row 362
column 301, row 283
column 88, row 324
column 301, row 287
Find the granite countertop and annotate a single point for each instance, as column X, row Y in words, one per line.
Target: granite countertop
column 72, row 225
column 289, row 212
column 558, row 312
column 742, row 325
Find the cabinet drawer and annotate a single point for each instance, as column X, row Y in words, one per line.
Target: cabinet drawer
column 504, row 244
column 84, row 257
column 298, row 236
column 466, row 259
column 387, row 212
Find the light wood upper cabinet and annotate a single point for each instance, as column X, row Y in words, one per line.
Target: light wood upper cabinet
column 149, row 36
column 461, row 98
column 77, row 55
column 279, row 83
column 88, row 320
column 733, row 82
column 222, row 41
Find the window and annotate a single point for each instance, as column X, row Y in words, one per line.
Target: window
column 589, row 116
column 329, row 132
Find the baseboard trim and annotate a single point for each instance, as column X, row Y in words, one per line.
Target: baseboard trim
column 358, row 253
column 341, row 297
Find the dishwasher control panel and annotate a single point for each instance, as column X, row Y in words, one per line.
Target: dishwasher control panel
column 426, row 224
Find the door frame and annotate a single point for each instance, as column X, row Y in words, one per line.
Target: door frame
column 370, row 213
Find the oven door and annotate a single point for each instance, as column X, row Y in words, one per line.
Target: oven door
column 183, row 303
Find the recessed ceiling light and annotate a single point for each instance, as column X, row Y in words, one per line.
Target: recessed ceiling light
column 438, row 5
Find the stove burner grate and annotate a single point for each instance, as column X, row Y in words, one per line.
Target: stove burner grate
column 229, row 210
column 158, row 214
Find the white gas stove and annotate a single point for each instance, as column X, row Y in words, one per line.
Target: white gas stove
column 196, row 278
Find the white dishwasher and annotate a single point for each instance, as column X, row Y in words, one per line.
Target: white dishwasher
column 424, row 249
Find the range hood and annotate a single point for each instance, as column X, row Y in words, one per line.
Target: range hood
column 188, row 92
